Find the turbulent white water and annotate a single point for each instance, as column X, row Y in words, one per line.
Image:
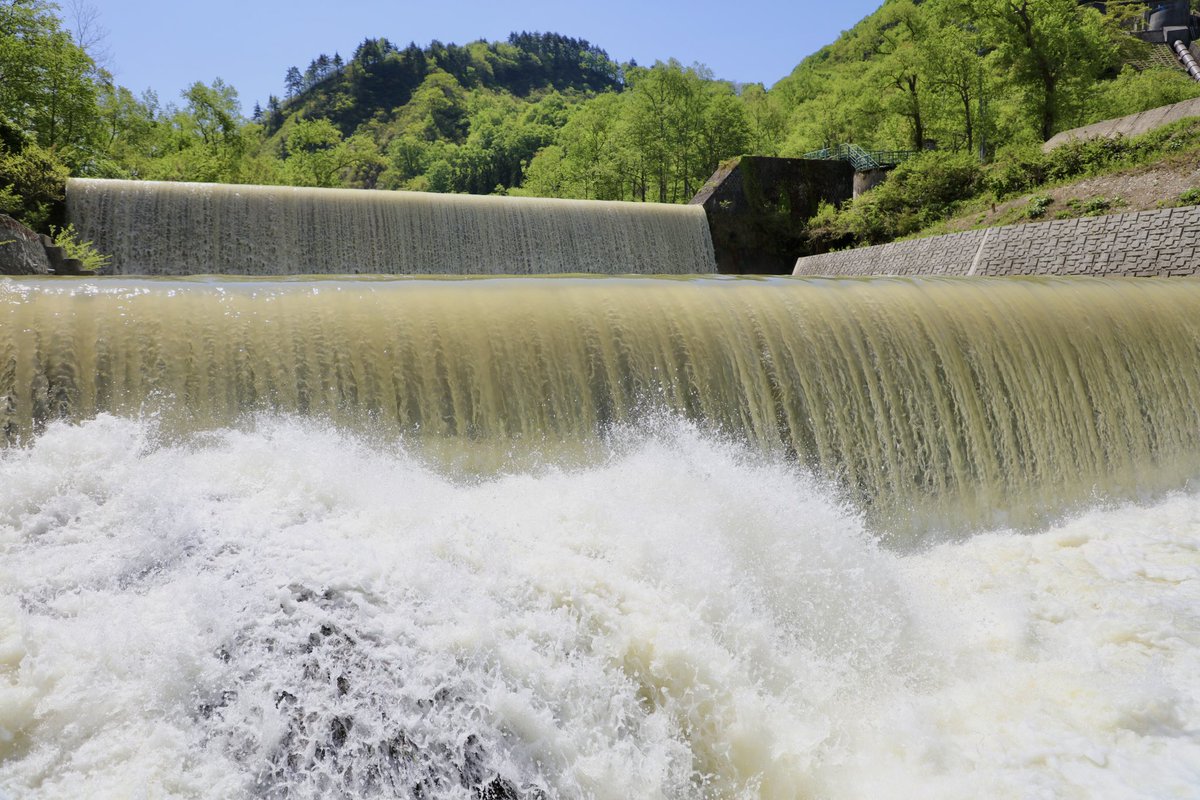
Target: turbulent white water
column 286, row 611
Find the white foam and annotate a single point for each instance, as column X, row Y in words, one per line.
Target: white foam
column 680, row 621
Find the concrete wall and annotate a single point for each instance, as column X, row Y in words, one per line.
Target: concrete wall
column 758, row 209
column 868, row 179
column 1133, row 125
column 1146, row 243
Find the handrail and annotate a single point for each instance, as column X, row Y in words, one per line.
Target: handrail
column 861, row 159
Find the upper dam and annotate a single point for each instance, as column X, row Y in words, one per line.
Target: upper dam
column 160, row 228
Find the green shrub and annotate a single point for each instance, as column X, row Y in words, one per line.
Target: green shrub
column 1176, row 137
column 918, row 193
column 68, row 239
column 1019, row 170
column 32, row 183
column 1038, row 205
column 1016, row 171
column 1098, row 205
column 1089, row 156
column 1190, row 198
column 1136, row 90
column 826, row 230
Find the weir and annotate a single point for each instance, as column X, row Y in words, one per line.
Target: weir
column 162, row 228
column 972, row 401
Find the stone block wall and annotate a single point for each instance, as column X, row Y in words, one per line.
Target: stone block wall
column 1141, row 244
column 937, row 255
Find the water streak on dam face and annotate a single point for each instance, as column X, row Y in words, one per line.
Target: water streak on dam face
column 159, row 228
column 986, row 400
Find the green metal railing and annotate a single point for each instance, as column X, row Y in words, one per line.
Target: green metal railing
column 861, row 159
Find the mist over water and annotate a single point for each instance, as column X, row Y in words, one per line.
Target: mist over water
column 292, row 610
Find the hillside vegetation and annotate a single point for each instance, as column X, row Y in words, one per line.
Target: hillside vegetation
column 550, row 115
column 938, row 193
column 1153, row 171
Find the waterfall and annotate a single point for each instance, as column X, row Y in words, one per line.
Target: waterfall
column 970, row 401
column 151, row 228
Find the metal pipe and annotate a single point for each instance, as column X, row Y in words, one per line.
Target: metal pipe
column 1185, row 56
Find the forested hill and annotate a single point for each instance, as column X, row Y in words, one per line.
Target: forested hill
column 380, row 77
column 538, row 113
column 957, row 74
column 546, row 114
column 981, row 83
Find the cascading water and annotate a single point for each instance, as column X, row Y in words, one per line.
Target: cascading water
column 606, row 537
column 159, row 228
column 979, row 401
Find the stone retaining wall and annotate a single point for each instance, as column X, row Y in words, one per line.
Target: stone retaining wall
column 1142, row 244
column 1132, row 125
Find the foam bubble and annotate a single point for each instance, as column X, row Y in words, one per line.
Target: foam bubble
column 292, row 611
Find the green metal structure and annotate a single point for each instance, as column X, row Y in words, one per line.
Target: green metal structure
column 861, row 159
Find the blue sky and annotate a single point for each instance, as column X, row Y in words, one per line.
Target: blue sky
column 165, row 46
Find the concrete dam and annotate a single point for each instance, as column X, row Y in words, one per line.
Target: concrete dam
column 159, row 228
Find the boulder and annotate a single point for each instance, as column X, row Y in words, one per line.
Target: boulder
column 21, row 250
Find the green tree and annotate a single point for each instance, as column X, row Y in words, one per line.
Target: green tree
column 128, row 128
column 549, row 175
column 954, row 70
column 678, row 124
column 767, row 119
column 206, row 140
column 437, row 109
column 318, row 156
column 587, row 159
column 46, row 91
column 725, row 132
column 902, row 31
column 406, row 157
column 595, row 154
column 1054, row 50
column 649, row 118
column 658, row 141
column 293, row 83
column 214, row 113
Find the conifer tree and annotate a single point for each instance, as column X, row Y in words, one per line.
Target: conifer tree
column 293, row 83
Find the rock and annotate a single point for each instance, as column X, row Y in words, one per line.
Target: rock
column 21, row 250
column 55, row 256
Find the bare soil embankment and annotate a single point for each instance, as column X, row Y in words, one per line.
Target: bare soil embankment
column 1161, row 184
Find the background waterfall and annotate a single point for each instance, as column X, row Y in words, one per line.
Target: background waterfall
column 977, row 402
column 152, row 228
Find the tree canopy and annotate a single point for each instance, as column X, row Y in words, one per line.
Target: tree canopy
column 551, row 115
